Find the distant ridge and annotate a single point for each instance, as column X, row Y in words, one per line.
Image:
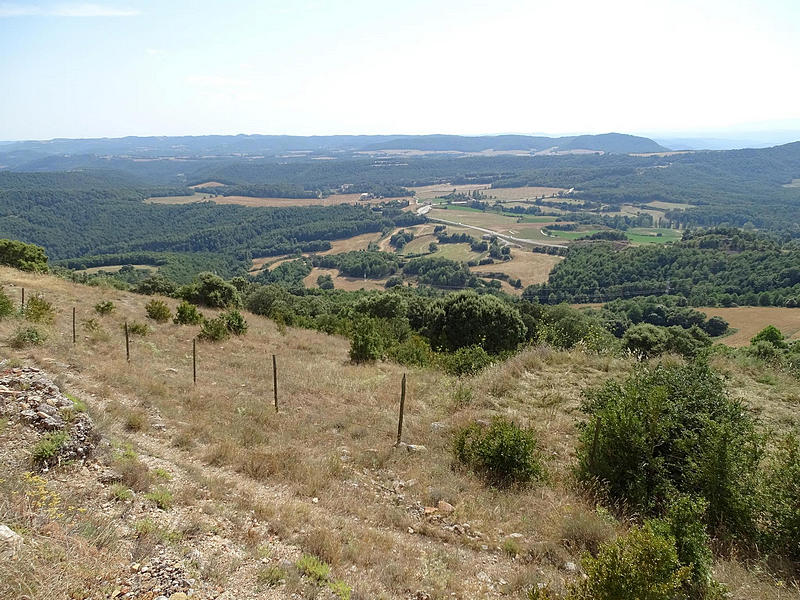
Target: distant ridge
column 270, row 145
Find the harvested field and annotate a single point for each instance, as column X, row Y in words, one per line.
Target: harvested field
column 523, row 193
column 530, row 267
column 340, row 282
column 749, row 320
column 207, row 184
column 115, row 268
column 265, row 202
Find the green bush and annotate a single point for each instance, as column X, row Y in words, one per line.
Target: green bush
column 771, row 335
column 6, row 304
column 465, row 361
column 22, row 256
column 780, row 499
column 366, row 344
column 642, row 564
column 158, row 311
column 212, row 291
column 105, row 307
column 39, row 310
column 214, row 330
column 187, row 314
column 502, row 453
column 48, row 447
column 136, row 328
column 161, row 497
column 414, row 351
column 672, row 429
column 27, row 336
column 314, row 568
column 683, row 522
column 234, row 321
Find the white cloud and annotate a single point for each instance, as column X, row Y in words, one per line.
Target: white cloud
column 82, row 9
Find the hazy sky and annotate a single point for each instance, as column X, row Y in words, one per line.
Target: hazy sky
column 170, row 67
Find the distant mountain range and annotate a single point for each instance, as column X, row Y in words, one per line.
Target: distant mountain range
column 14, row 154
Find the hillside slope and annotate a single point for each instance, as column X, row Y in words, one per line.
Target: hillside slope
column 245, row 491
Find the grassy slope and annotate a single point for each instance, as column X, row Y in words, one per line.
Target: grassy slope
column 321, row 476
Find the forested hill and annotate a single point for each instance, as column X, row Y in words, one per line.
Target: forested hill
column 721, row 266
column 84, row 220
column 269, row 145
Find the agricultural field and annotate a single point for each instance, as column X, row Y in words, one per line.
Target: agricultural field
column 115, row 268
column 652, row 235
column 749, row 320
column 264, row 202
column 530, row 267
column 340, row 282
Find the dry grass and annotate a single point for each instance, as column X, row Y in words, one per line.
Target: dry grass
column 530, row 267
column 749, row 320
column 340, row 282
column 263, row 202
column 322, row 473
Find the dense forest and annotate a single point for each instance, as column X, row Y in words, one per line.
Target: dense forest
column 86, row 221
column 722, row 266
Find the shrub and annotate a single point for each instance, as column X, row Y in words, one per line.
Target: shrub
column 6, row 305
column 314, row 568
column 105, row 307
column 39, row 310
column 366, row 344
column 22, row 256
column 48, row 447
column 503, row 453
column 158, row 311
column 780, row 499
column 683, row 523
column 271, row 576
column 465, row 361
column 234, row 321
column 27, row 336
column 212, row 291
column 187, row 314
column 161, row 497
column 672, row 429
column 120, row 493
column 136, row 328
column 214, row 330
column 414, row 351
column 641, row 564
column 772, row 335
column 466, row 319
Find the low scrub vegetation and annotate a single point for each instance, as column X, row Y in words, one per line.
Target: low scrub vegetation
column 501, row 453
column 158, row 311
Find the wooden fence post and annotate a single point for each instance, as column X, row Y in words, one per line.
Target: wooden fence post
column 194, row 361
column 275, row 380
column 73, row 324
column 127, row 344
column 23, row 299
column 402, row 409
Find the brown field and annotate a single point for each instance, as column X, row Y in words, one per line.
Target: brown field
column 115, row 268
column 522, row 193
column 265, row 202
column 749, row 320
column 340, row 282
column 358, row 242
column 429, row 192
column 252, row 487
column 270, row 261
column 530, row 267
column 207, row 184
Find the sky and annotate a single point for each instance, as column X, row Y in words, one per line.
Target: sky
column 304, row 67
